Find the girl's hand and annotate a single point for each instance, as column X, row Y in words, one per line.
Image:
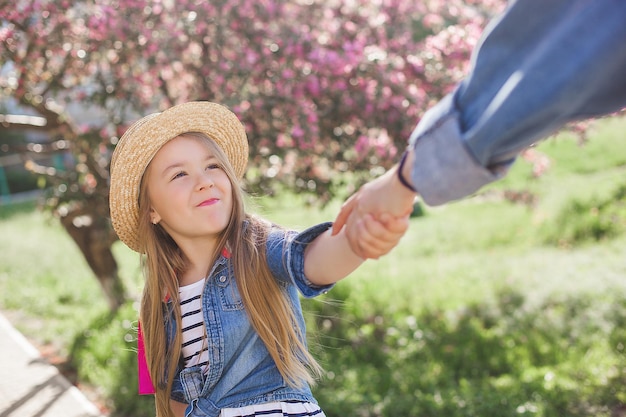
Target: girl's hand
column 372, row 237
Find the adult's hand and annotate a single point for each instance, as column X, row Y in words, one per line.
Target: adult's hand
column 376, row 216
column 371, row 238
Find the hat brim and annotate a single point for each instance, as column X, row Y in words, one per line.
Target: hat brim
column 138, row 146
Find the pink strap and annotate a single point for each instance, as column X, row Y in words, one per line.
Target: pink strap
column 145, row 382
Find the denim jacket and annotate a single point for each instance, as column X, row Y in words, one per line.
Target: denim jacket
column 241, row 371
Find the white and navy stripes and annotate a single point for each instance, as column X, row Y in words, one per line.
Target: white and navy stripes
column 195, row 346
column 275, row 409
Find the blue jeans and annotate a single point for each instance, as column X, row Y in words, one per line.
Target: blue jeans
column 539, row 65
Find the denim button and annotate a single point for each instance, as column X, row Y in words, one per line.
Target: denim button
column 222, row 279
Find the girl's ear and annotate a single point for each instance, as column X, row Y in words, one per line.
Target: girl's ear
column 154, row 216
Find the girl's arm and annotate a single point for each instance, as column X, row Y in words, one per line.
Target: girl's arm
column 329, row 258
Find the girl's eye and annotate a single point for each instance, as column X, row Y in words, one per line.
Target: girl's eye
column 213, row 166
column 179, row 175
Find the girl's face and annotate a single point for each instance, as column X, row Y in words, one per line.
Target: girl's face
column 190, row 194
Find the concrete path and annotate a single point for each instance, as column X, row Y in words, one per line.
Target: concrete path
column 30, row 386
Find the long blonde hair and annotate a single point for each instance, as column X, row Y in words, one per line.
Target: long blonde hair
column 267, row 305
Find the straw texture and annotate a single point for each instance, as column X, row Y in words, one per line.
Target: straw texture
column 142, row 141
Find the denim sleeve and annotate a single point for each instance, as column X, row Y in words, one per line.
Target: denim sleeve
column 540, row 65
column 285, row 257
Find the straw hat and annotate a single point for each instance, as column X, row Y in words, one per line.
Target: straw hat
column 143, row 140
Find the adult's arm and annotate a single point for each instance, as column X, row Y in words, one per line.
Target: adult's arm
column 540, row 65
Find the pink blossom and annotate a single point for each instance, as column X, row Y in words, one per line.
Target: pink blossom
column 345, row 80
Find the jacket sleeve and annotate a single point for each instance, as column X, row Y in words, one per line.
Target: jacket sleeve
column 532, row 73
column 285, row 256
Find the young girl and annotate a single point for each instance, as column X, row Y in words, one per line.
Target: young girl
column 220, row 313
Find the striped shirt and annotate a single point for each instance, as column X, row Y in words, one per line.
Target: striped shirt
column 275, row 409
column 195, row 346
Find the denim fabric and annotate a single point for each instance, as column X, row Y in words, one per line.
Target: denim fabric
column 241, row 371
column 540, row 65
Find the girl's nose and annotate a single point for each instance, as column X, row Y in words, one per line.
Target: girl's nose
column 205, row 180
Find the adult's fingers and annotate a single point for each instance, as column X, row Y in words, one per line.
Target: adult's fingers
column 395, row 224
column 346, row 208
column 376, row 238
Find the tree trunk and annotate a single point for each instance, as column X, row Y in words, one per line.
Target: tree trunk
column 94, row 237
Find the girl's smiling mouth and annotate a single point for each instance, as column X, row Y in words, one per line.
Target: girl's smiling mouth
column 208, row 202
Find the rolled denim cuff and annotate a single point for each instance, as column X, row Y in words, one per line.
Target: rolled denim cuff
column 444, row 169
column 296, row 260
column 192, row 381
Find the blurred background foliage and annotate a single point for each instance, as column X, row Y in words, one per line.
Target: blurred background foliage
column 328, row 90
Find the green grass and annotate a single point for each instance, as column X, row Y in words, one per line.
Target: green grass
column 484, row 308
column 43, row 275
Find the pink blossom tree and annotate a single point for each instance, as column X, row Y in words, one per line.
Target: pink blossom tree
column 329, row 90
